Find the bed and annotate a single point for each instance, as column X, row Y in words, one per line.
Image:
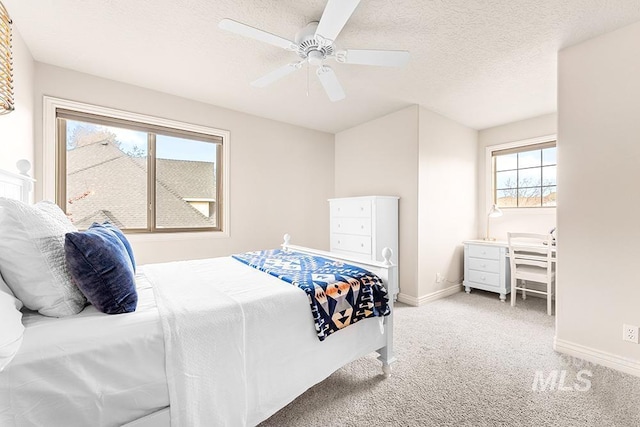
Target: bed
column 233, row 350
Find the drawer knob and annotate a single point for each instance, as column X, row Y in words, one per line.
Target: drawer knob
column 362, row 227
column 484, row 265
column 361, row 208
column 483, row 278
column 484, row 252
column 338, row 225
column 362, row 245
column 338, row 241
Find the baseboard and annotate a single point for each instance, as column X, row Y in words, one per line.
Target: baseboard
column 408, row 299
column 623, row 364
column 443, row 293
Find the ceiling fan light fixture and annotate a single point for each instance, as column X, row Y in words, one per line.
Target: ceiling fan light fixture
column 315, row 57
column 308, row 42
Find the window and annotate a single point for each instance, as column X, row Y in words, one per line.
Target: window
column 141, row 177
column 525, row 177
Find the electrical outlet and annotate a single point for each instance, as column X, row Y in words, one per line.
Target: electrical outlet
column 630, row 333
column 438, row 278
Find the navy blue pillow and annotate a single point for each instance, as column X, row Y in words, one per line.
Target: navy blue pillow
column 123, row 239
column 100, row 266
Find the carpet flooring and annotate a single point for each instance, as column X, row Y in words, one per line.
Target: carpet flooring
column 470, row 360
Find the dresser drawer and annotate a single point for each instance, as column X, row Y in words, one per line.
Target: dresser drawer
column 360, row 226
column 482, row 251
column 482, row 264
column 351, row 243
column 351, row 208
column 489, row 279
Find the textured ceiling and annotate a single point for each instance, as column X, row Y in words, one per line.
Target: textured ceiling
column 479, row 62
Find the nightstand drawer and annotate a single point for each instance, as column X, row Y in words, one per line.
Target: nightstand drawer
column 483, row 251
column 360, row 226
column 483, row 264
column 351, row 208
column 351, row 243
column 489, row 279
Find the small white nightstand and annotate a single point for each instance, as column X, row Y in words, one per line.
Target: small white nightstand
column 486, row 267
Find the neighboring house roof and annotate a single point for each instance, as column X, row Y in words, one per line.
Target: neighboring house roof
column 103, row 183
column 192, row 180
column 99, row 216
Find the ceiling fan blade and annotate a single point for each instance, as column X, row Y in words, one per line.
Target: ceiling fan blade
column 383, row 58
column 335, row 16
column 276, row 74
column 256, row 34
column 330, row 83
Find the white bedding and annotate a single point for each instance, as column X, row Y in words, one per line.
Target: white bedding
column 254, row 353
column 63, row 364
column 235, row 366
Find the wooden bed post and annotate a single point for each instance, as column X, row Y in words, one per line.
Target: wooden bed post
column 384, row 270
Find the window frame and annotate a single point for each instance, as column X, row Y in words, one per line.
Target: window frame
column 53, row 153
column 490, row 172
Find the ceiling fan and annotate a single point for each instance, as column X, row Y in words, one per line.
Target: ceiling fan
column 315, row 43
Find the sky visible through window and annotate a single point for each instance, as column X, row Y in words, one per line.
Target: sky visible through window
column 167, row 147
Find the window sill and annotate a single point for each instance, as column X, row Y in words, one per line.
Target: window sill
column 178, row 236
column 529, row 211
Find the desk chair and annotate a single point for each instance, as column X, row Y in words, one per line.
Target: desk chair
column 531, row 260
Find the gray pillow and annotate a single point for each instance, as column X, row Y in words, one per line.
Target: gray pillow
column 32, row 257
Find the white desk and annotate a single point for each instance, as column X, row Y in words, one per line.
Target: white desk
column 486, row 266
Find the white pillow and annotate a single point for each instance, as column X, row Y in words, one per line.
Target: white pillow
column 11, row 321
column 32, row 258
column 5, row 288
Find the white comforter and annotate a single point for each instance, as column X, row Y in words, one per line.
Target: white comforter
column 241, row 344
column 91, row 369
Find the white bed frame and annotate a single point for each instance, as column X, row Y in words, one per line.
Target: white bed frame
column 16, row 186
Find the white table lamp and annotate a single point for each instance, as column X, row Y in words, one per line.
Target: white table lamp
column 494, row 212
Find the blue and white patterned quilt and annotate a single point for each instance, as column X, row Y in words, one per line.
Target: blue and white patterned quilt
column 339, row 294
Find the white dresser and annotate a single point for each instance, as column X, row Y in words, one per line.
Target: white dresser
column 362, row 226
column 486, row 267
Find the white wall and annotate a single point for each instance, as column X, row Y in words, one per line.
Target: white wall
column 540, row 220
column 598, row 197
column 380, row 157
column 430, row 162
column 16, row 128
column 447, row 199
column 281, row 175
